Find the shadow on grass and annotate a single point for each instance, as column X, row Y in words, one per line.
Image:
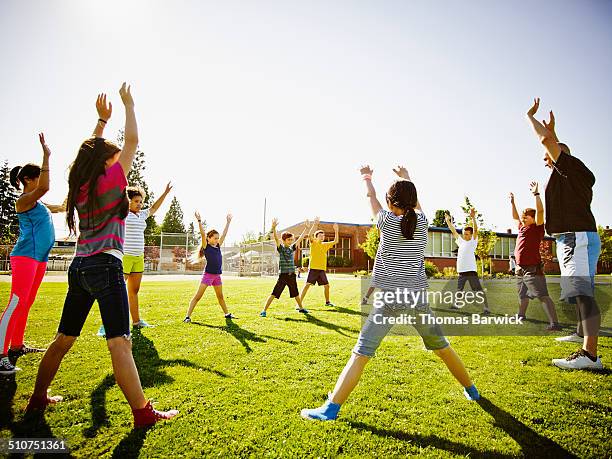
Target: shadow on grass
column 150, row 369
column 532, row 444
column 341, row 310
column 131, row 444
column 31, row 426
column 321, row 323
column 243, row 335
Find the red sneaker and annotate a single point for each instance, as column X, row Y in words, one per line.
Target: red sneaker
column 148, row 415
column 40, row 403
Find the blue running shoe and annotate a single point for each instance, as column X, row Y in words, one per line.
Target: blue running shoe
column 263, row 314
column 471, row 393
column 326, row 412
column 303, row 311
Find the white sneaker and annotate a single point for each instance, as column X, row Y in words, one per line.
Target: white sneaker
column 573, row 338
column 6, row 367
column 578, row 361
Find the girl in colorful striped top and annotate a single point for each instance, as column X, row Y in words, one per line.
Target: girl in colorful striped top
column 97, row 183
column 399, row 267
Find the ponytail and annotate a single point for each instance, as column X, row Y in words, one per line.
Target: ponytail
column 19, row 174
column 14, row 177
column 408, row 223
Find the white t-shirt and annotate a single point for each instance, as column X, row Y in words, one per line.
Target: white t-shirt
column 466, row 261
column 135, row 226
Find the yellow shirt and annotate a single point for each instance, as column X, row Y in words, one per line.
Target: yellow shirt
column 318, row 254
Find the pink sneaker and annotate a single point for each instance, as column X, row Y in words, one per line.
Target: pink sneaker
column 148, row 415
column 40, row 403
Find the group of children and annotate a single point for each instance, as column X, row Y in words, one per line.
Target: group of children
column 110, row 251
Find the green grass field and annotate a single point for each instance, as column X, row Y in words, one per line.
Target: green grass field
column 240, row 386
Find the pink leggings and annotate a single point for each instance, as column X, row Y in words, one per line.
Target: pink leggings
column 27, row 274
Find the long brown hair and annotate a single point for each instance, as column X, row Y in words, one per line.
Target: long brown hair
column 403, row 195
column 87, row 168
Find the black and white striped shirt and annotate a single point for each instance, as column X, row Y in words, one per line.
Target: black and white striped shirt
column 400, row 262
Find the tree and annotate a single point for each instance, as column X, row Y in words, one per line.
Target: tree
column 9, row 223
column 370, row 245
column 251, row 237
column 486, row 237
column 439, row 219
column 136, row 178
column 606, row 245
column 173, row 220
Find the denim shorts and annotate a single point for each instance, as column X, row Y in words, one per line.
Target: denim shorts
column 373, row 331
column 96, row 278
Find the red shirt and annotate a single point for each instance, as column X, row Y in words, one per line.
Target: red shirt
column 527, row 251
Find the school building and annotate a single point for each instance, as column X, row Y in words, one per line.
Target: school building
column 441, row 249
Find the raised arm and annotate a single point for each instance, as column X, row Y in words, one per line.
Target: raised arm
column 104, row 113
column 313, row 228
column 304, row 232
column 545, row 132
column 273, row 230
column 228, row 220
column 202, row 229
column 336, row 234
column 449, row 223
column 402, row 172
column 534, row 188
column 366, row 175
column 157, row 204
column 515, row 215
column 130, row 141
column 474, row 223
column 27, row 200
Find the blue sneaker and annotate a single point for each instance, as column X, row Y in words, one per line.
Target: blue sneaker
column 141, row 324
column 303, row 311
column 101, row 331
column 471, row 393
column 263, row 314
column 326, row 412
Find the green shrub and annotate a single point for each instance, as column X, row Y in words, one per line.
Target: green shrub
column 430, row 269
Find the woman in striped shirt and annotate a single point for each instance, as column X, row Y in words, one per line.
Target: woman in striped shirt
column 96, row 191
column 399, row 269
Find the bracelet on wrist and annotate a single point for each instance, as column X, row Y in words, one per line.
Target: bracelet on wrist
column 44, row 169
column 536, row 194
column 100, row 120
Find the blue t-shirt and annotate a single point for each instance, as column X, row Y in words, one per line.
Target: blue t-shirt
column 214, row 260
column 36, row 234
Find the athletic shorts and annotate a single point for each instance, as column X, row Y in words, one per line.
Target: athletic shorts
column 472, row 278
column 317, row 276
column 286, row 280
column 96, row 278
column 531, row 282
column 578, row 254
column 211, row 279
column 376, row 328
column 133, row 264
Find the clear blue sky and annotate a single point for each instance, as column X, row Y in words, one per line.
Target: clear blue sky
column 238, row 100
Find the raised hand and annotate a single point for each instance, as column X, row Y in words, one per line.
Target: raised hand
column 512, row 197
column 533, row 187
column 307, row 223
column 336, row 227
column 126, row 95
column 45, row 147
column 104, row 110
column 197, row 216
column 447, row 217
column 472, row 212
column 401, row 172
column 228, row 218
column 168, row 188
column 534, row 108
column 317, row 220
column 366, row 170
column 274, row 223
column 551, row 122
